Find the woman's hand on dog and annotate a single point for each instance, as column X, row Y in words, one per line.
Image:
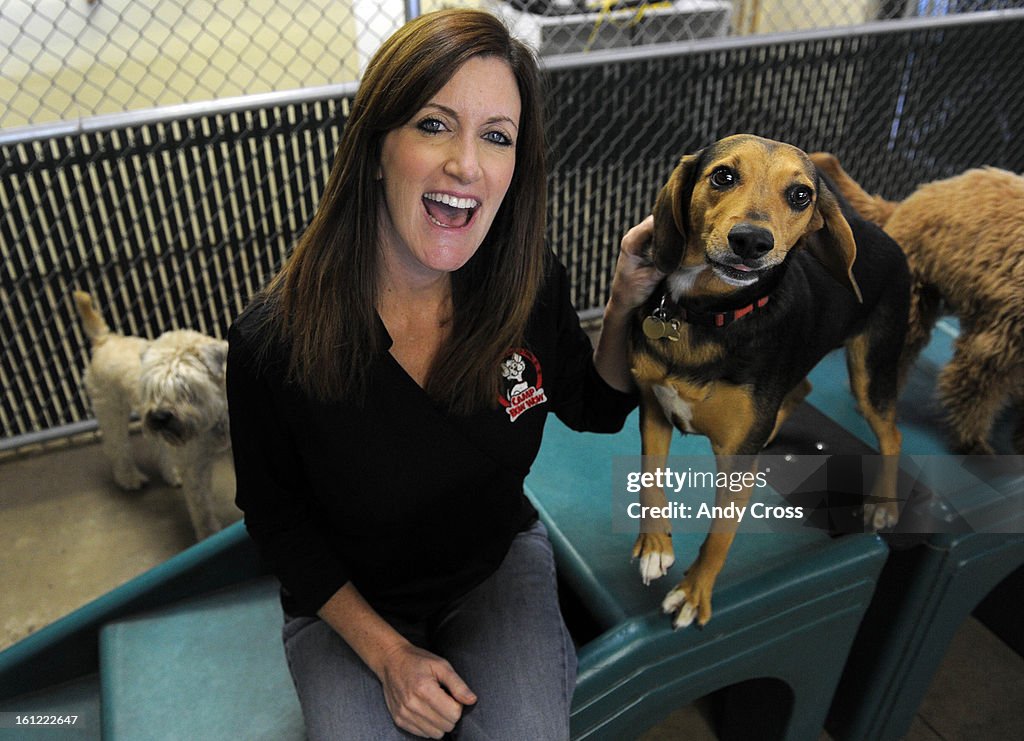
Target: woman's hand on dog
column 635, row 274
column 422, row 691
column 635, row 279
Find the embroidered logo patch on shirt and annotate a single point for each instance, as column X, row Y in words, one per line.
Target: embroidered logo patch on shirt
column 523, row 390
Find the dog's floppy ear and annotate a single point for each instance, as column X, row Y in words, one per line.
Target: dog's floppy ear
column 214, row 355
column 831, row 240
column 670, row 216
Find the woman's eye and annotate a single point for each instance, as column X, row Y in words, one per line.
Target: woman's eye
column 430, row 126
column 722, row 177
column 498, row 137
column 799, row 197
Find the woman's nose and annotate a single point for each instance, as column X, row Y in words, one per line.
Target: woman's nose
column 463, row 162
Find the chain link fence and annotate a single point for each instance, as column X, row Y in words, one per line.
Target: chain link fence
column 67, row 59
column 173, row 216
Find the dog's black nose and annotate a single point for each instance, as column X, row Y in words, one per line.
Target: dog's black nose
column 750, row 242
column 158, row 418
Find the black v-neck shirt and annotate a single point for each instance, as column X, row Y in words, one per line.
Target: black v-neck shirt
column 411, row 504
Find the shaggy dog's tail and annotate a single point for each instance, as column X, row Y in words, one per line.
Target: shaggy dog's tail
column 92, row 321
column 873, row 208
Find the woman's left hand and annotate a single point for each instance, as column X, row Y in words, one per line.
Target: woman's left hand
column 635, row 275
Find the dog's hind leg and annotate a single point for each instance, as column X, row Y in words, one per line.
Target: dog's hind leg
column 793, row 399
column 873, row 369
column 974, row 386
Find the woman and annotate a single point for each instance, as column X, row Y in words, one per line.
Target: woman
column 387, row 395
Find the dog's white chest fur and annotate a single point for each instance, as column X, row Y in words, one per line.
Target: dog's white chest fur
column 675, row 407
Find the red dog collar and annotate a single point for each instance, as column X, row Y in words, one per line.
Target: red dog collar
column 721, row 318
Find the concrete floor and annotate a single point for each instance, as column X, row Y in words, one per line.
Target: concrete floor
column 68, row 535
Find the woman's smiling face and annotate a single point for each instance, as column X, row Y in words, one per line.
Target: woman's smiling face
column 447, row 169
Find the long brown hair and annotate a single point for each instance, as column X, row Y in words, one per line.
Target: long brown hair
column 323, row 301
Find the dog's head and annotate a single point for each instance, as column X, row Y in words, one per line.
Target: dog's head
column 730, row 214
column 182, row 386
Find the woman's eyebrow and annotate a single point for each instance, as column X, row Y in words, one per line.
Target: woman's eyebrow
column 493, row 119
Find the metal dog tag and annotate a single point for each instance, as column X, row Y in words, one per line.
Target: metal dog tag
column 672, row 331
column 654, row 328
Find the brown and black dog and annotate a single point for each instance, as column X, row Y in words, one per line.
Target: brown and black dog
column 766, row 273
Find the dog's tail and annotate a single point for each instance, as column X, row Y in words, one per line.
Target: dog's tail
column 872, row 207
column 92, row 321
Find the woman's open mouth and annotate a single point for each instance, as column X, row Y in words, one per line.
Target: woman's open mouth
column 448, row 211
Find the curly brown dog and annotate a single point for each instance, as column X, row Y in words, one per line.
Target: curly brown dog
column 964, row 241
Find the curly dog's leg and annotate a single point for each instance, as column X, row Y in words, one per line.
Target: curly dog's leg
column 973, row 388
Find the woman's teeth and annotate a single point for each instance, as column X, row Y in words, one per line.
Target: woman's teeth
column 449, row 211
column 452, row 201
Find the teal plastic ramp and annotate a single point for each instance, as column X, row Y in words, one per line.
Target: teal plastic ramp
column 209, row 668
column 786, row 607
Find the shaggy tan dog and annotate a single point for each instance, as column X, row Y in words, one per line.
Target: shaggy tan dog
column 176, row 385
column 964, row 241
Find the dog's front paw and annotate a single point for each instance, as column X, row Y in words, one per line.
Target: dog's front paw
column 172, row 477
column 690, row 599
column 881, row 515
column 130, row 478
column 655, row 553
column 207, row 528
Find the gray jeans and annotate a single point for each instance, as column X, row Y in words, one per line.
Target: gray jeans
column 506, row 639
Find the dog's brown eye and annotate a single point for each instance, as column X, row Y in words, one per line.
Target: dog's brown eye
column 722, row 177
column 799, row 196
